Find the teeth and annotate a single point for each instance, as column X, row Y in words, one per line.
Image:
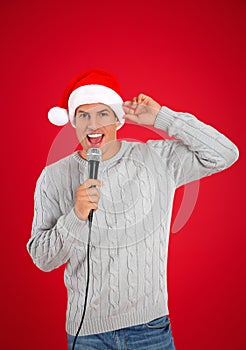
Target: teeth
column 95, row 135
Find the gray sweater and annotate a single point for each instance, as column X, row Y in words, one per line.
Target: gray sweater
column 130, row 231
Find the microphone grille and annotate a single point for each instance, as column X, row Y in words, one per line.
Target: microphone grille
column 94, row 154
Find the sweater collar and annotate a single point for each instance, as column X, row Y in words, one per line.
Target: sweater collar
column 104, row 163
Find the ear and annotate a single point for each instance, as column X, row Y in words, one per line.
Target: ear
column 117, row 123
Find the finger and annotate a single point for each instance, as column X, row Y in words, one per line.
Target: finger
column 129, row 107
column 141, row 108
column 93, row 200
column 134, row 99
column 131, row 117
column 126, row 109
column 93, row 206
column 142, row 98
column 84, row 193
column 130, row 104
column 93, row 192
column 91, row 182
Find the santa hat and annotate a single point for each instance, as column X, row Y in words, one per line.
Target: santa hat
column 92, row 86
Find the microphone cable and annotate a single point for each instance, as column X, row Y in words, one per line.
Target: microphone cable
column 94, row 156
column 88, row 278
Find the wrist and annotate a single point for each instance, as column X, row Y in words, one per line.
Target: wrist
column 155, row 115
column 79, row 215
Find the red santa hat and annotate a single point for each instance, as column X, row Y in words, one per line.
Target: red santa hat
column 92, row 86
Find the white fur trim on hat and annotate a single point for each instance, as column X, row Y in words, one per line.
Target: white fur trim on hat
column 58, row 116
column 95, row 94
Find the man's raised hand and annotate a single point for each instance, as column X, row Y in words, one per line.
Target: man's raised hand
column 142, row 109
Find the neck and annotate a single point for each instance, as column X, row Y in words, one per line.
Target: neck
column 109, row 150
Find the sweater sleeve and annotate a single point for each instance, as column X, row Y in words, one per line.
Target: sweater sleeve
column 54, row 235
column 198, row 151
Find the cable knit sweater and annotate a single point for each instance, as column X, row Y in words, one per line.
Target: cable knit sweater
column 130, row 231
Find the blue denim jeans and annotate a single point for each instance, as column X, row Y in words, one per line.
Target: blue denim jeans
column 155, row 335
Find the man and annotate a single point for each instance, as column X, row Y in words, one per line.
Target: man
column 132, row 199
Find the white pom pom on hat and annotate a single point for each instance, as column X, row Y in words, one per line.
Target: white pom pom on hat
column 58, row 116
column 92, row 86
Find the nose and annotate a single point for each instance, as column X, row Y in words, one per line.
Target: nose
column 93, row 123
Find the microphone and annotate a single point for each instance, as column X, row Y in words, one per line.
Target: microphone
column 94, row 156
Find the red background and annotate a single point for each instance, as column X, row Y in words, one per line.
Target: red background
column 188, row 55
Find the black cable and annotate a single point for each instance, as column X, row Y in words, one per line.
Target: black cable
column 87, row 282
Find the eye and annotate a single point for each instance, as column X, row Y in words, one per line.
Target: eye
column 83, row 115
column 104, row 114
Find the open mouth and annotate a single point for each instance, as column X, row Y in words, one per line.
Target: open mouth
column 95, row 140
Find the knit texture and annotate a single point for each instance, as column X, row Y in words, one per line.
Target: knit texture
column 130, row 231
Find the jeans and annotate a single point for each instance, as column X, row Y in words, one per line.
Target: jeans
column 155, row 335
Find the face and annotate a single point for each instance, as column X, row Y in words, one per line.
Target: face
column 96, row 127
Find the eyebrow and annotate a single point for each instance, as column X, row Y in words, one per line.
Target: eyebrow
column 103, row 110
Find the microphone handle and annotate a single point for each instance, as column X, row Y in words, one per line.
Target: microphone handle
column 93, row 169
column 93, row 173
